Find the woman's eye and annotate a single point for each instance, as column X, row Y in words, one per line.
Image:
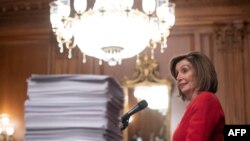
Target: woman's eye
column 184, row 70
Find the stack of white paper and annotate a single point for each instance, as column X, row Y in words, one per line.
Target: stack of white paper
column 73, row 108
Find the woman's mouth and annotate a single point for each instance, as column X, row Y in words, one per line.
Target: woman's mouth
column 181, row 85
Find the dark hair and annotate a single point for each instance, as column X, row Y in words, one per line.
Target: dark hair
column 205, row 72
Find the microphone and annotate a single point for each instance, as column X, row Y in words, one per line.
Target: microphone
column 138, row 107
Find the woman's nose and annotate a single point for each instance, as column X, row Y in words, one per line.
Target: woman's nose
column 178, row 77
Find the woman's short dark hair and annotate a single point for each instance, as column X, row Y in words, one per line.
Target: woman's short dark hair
column 204, row 69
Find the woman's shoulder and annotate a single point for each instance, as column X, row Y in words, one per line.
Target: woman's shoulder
column 207, row 95
column 207, row 98
column 204, row 99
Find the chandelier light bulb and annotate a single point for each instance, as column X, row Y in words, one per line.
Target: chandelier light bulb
column 127, row 4
column 63, row 7
column 80, row 6
column 148, row 6
column 166, row 12
column 99, row 4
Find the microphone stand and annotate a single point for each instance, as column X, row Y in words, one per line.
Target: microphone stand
column 138, row 107
column 124, row 124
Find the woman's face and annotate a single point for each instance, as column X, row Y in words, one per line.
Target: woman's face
column 186, row 78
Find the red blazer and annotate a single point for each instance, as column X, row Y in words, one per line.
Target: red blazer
column 203, row 120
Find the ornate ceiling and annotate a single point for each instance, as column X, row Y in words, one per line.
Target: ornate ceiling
column 16, row 7
column 186, row 10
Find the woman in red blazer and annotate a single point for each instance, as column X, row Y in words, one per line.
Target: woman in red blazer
column 197, row 82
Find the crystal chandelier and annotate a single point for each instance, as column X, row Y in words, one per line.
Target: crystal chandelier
column 111, row 30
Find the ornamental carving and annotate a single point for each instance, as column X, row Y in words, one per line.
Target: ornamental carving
column 230, row 36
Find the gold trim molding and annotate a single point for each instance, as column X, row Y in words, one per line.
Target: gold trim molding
column 146, row 73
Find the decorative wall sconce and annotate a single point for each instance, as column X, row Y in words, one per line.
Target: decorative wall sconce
column 6, row 128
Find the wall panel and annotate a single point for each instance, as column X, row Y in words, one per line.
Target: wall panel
column 246, row 74
column 18, row 62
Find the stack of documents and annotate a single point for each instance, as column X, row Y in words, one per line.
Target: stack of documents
column 73, row 108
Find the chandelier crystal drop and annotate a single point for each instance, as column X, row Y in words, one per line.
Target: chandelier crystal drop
column 111, row 30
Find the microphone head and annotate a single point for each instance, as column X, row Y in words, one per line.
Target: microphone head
column 143, row 104
column 138, row 107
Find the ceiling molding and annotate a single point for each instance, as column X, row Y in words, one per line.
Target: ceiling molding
column 187, row 11
column 15, row 7
column 24, row 8
column 209, row 3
